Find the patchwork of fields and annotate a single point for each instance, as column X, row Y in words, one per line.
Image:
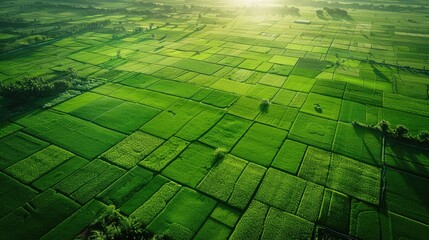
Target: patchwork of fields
column 145, row 140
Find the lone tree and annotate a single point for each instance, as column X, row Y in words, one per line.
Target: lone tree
column 384, row 127
column 264, row 105
column 400, row 131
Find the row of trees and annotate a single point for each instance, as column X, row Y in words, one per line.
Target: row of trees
column 32, row 88
column 400, row 132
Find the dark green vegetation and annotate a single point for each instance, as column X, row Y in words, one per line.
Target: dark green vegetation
column 214, row 119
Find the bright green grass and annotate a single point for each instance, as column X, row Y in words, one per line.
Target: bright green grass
column 335, row 212
column 171, row 120
column 156, row 203
column 279, row 224
column 179, row 89
column 290, row 156
column 140, row 196
column 226, row 132
column 281, row 190
column 38, row 164
column 251, row 224
column 18, row 146
column 354, row 178
column 192, row 165
column 221, row 179
column 298, row 83
column 246, row 107
column 291, row 61
column 126, row 186
column 220, row 99
column 93, row 109
column 323, row 106
column 260, row 144
column 358, row 143
column 132, row 149
column 73, row 134
column 164, row 154
column 311, row 202
column 313, row 130
column 213, row 230
column 315, row 165
column 185, row 214
column 60, row 172
column 90, row 180
column 200, row 124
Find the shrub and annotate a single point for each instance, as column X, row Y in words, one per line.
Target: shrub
column 220, row 153
column 264, row 105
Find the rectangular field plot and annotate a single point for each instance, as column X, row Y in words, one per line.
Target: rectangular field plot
column 73, row 225
column 132, row 149
column 322, row 106
column 155, row 203
column 179, row 89
column 93, row 109
column 335, row 211
column 263, row 222
column 77, row 102
column 73, row 134
column 220, row 99
column 260, row 144
column 298, row 83
column 192, row 165
column 405, row 228
column 221, row 180
column 200, row 124
column 127, row 117
column 278, row 116
column 163, row 155
column 315, row 165
column 406, row 195
column 38, row 164
column 122, row 190
column 90, row 180
column 60, row 172
column 171, row 120
column 226, row 132
column 354, row 178
column 290, row 61
column 290, row 156
column 281, row 190
column 313, row 130
column 213, row 230
column 198, row 66
column 246, row 108
column 359, row 143
column 407, row 158
column 415, row 123
column 364, row 220
column 184, row 215
column 354, row 111
column 38, row 216
column 18, row 146
column 13, row 194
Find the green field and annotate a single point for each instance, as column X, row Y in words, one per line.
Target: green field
column 241, row 119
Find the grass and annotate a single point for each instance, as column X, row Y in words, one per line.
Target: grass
column 260, row 144
column 84, row 138
column 289, row 156
column 221, row 180
column 226, row 132
column 281, row 190
column 191, row 165
column 164, row 154
column 132, row 149
column 185, row 214
column 313, row 131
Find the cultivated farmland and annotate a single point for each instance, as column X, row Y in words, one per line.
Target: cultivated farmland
column 263, row 119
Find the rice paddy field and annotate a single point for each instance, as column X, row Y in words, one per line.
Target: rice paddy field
column 218, row 119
